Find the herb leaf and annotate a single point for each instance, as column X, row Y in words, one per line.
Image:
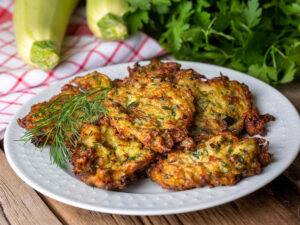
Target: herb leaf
column 63, row 120
column 258, row 37
column 136, row 20
column 139, row 4
column 252, row 13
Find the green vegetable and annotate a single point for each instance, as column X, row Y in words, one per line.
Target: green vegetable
column 224, row 164
column 194, row 154
column 261, row 38
column 104, row 18
column 40, row 26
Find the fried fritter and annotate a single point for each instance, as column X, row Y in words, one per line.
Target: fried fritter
column 104, row 160
column 221, row 160
column 222, row 105
column 156, row 113
column 76, row 86
column 156, row 70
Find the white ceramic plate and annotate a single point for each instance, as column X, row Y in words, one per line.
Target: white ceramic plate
column 146, row 197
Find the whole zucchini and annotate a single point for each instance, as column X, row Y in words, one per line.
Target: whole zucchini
column 40, row 26
column 104, row 18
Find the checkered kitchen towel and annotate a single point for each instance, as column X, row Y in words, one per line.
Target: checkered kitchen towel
column 81, row 51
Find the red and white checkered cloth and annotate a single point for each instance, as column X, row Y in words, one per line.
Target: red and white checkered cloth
column 81, row 51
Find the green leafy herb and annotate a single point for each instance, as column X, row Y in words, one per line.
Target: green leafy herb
column 261, row 38
column 132, row 105
column 138, row 4
column 63, row 116
column 224, row 164
column 194, row 154
column 252, row 13
column 166, row 176
column 136, row 20
column 166, row 108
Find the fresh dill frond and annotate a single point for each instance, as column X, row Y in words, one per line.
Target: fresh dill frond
column 61, row 119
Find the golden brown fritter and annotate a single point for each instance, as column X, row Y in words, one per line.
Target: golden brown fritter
column 156, row 70
column 74, row 87
column 156, row 113
column 222, row 105
column 222, row 160
column 104, row 160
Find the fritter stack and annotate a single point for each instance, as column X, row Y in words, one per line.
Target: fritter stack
column 175, row 125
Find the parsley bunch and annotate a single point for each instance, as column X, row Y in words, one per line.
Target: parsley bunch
column 261, row 38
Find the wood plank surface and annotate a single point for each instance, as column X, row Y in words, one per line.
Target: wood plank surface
column 19, row 203
column 292, row 92
column 262, row 205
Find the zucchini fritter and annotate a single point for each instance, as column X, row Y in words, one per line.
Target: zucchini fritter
column 104, row 160
column 222, row 105
column 156, row 70
column 156, row 113
column 76, row 86
column 221, row 160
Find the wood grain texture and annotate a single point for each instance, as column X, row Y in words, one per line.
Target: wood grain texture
column 292, row 92
column 252, row 209
column 77, row 216
column 286, row 193
column 19, row 203
column 293, row 173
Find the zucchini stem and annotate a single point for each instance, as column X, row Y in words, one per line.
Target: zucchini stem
column 112, row 27
column 44, row 54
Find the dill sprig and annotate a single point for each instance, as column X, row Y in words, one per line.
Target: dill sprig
column 61, row 119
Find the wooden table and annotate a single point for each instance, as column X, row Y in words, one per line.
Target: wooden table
column 276, row 203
